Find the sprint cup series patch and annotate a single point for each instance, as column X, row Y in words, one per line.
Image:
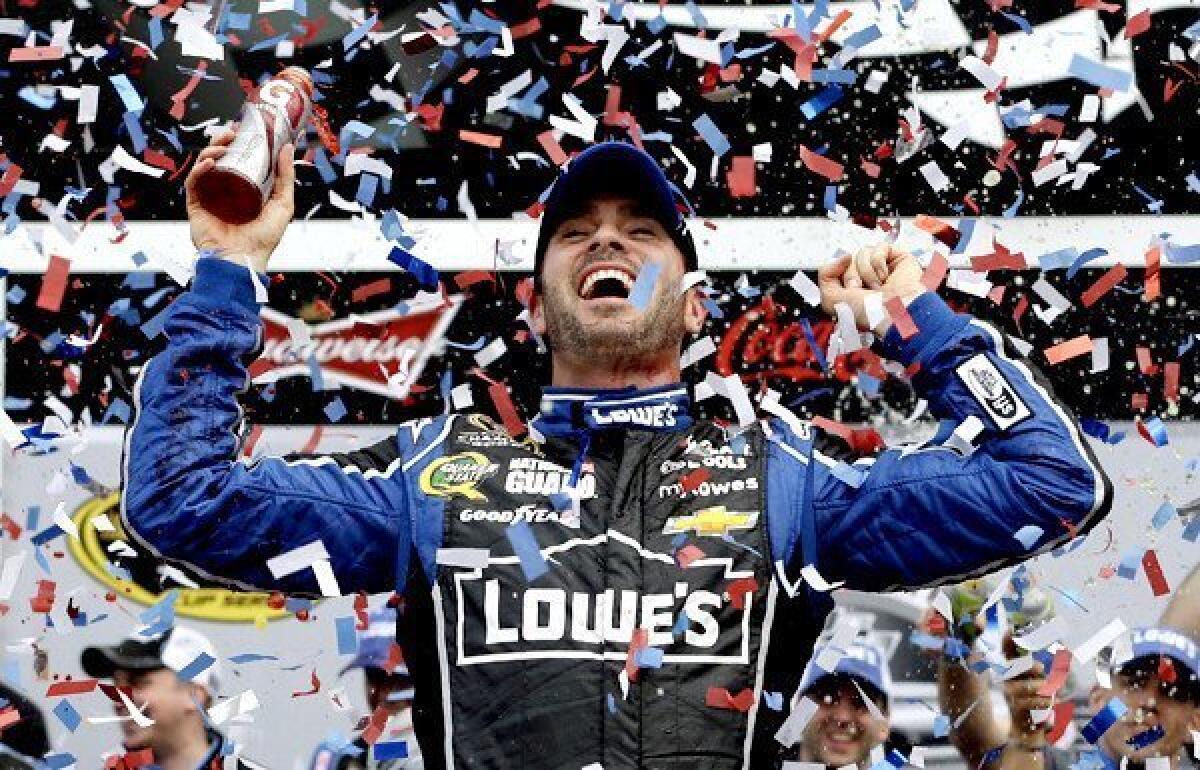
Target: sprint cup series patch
column 993, row 391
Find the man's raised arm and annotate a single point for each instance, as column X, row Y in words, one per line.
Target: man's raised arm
column 186, row 496
column 1008, row 475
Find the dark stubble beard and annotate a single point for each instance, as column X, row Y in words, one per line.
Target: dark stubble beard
column 657, row 329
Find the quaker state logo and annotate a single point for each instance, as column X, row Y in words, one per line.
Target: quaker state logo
column 457, row 476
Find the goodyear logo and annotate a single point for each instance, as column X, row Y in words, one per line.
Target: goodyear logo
column 711, row 522
column 457, row 476
column 135, row 577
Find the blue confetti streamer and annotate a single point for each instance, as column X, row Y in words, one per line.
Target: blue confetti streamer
column 1164, row 514
column 643, row 287
column 347, row 640
column 425, row 274
column 525, row 546
column 822, row 101
column 1083, row 259
column 1100, row 75
column 708, row 130
column 199, row 665
column 355, row 36
column 390, row 750
column 129, row 95
column 1104, row 719
column 67, row 714
column 250, row 657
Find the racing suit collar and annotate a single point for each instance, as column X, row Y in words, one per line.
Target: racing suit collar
column 569, row 411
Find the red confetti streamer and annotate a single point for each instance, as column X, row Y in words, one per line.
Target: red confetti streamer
column 1171, row 381
column 1154, row 573
column 180, row 97
column 43, row 601
column 720, row 698
column 374, row 728
column 36, row 53
column 834, row 427
column 943, row 231
column 12, row 175
column 314, row 438
column 1077, row 346
column 506, row 409
column 1063, row 713
column 526, row 28
column 1145, row 363
column 1153, row 280
column 71, row 687
column 694, row 479
column 1060, row 668
column 471, row 277
column 554, row 150
column 372, row 289
column 478, row 137
column 819, row 164
column 11, row 527
column 740, row 177
column 1166, row 670
column 640, row 640
column 1137, row 24
column 1000, row 259
column 933, row 276
column 1104, row 284
column 316, row 686
column 54, row 284
column 688, row 554
column 1139, row 402
column 738, row 589
column 900, row 317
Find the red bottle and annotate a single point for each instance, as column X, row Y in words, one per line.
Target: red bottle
column 236, row 188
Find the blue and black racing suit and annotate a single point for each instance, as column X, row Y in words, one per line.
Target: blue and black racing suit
column 664, row 624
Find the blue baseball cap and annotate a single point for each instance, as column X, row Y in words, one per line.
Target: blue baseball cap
column 375, row 644
column 619, row 169
column 1154, row 642
column 861, row 660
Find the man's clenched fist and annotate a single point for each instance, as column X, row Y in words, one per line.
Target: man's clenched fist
column 877, row 270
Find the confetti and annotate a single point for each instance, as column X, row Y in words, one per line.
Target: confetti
column 1063, row 351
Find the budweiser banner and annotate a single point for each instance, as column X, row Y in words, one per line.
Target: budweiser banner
column 366, row 348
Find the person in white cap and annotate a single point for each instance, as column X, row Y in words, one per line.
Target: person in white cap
column 852, row 716
column 170, row 722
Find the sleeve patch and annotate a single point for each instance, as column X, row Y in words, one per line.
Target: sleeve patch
column 993, row 391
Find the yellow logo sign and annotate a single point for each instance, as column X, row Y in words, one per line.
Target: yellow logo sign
column 91, row 550
column 711, row 522
column 457, row 475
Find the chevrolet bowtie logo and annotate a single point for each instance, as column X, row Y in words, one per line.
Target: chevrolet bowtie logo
column 711, row 522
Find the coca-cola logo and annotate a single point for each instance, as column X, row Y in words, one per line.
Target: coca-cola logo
column 767, row 342
column 382, row 353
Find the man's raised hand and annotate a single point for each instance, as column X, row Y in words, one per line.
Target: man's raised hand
column 255, row 240
column 878, row 269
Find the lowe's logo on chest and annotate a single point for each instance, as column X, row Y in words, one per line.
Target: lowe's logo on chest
column 704, row 618
column 652, row 416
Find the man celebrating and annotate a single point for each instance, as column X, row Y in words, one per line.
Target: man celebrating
column 169, row 723
column 851, row 707
column 620, row 591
